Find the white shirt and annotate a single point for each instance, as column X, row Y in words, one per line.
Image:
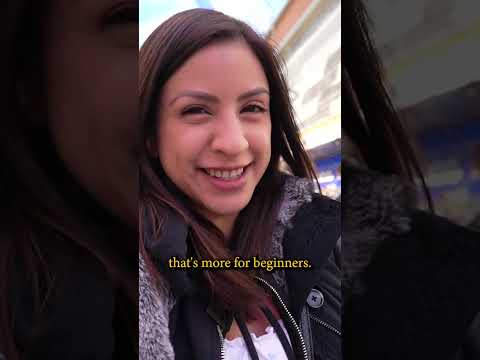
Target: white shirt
column 268, row 346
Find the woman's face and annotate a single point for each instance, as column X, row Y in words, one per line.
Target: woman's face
column 214, row 133
column 92, row 67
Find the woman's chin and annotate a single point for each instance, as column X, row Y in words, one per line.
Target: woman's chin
column 227, row 209
column 230, row 207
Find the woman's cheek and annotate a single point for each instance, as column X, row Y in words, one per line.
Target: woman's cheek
column 260, row 139
column 187, row 142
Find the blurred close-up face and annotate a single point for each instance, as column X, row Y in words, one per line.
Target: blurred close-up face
column 92, row 67
column 214, row 129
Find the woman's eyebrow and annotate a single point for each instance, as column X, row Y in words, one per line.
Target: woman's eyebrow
column 212, row 98
column 253, row 92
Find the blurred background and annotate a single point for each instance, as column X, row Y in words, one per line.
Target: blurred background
column 432, row 62
column 307, row 34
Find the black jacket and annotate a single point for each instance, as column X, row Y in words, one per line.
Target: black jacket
column 313, row 234
column 411, row 287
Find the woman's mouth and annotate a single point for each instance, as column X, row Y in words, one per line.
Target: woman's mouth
column 227, row 179
column 225, row 174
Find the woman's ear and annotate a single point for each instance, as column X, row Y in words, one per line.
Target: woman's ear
column 151, row 145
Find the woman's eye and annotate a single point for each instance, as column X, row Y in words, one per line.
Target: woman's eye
column 195, row 110
column 254, row 108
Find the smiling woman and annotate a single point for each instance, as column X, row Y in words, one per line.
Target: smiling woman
column 217, row 119
column 68, row 182
column 215, row 144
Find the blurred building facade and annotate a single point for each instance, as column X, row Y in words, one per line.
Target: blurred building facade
column 307, row 34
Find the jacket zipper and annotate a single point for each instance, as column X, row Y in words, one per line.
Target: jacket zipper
column 306, row 327
column 289, row 315
column 326, row 325
column 222, row 347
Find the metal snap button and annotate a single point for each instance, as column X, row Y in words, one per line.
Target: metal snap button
column 315, row 299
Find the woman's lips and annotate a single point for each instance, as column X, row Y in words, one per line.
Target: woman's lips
column 228, row 183
column 225, row 174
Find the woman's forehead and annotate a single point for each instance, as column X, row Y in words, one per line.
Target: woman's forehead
column 226, row 66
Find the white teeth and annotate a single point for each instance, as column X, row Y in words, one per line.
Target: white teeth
column 225, row 174
column 239, row 172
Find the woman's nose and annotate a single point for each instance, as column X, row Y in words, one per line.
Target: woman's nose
column 229, row 137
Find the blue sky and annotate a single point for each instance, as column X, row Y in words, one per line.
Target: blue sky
column 260, row 14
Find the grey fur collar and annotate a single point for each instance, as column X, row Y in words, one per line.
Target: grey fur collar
column 297, row 192
column 374, row 207
column 156, row 300
column 155, row 304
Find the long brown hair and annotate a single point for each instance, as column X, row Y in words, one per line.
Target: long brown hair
column 167, row 48
column 42, row 204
